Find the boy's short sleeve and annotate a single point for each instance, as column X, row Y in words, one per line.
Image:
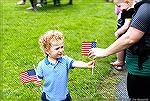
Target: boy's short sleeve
column 39, row 71
column 69, row 62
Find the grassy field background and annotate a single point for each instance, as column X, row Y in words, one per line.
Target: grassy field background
column 85, row 20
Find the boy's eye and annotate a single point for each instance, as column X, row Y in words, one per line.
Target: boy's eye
column 59, row 48
column 56, row 48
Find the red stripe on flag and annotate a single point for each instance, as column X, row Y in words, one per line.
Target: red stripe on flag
column 86, row 46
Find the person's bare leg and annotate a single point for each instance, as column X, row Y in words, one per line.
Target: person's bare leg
column 119, row 63
column 120, row 57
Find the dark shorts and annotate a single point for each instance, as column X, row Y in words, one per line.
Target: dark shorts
column 68, row 97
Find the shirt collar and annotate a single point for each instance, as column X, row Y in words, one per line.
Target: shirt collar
column 47, row 62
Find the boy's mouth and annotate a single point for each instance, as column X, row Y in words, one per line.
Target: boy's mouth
column 60, row 54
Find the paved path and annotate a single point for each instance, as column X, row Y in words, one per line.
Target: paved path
column 121, row 86
column 121, row 89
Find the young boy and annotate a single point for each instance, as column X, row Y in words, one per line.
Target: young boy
column 123, row 25
column 55, row 66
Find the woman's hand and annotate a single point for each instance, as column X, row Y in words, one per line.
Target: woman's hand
column 97, row 52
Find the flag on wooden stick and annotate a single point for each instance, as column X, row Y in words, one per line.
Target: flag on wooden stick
column 28, row 76
column 86, row 46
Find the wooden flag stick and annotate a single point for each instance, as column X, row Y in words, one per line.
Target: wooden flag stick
column 93, row 61
column 92, row 71
column 34, row 67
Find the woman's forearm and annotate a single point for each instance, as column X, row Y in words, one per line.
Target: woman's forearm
column 132, row 36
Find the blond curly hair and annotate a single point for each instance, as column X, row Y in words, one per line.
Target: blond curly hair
column 46, row 39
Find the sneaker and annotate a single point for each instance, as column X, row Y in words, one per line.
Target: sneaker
column 20, row 3
column 38, row 5
column 31, row 8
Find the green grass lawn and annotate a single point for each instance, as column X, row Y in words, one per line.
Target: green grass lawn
column 85, row 20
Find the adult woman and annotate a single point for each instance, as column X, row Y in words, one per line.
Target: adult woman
column 137, row 40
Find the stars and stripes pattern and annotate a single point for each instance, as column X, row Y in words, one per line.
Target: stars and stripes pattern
column 86, row 46
column 28, row 76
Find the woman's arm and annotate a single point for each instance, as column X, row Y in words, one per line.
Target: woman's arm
column 132, row 36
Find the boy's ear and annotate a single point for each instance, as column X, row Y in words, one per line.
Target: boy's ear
column 47, row 51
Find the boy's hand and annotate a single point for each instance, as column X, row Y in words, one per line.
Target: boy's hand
column 91, row 64
column 38, row 82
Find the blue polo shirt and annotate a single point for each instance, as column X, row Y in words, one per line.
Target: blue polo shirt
column 55, row 77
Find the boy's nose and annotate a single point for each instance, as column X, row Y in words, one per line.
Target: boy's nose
column 61, row 50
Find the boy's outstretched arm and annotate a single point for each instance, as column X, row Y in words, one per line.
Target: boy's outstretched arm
column 81, row 64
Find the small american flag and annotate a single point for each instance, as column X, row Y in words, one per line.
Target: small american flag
column 86, row 46
column 28, row 76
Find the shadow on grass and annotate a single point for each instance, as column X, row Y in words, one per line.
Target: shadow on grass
column 44, row 8
column 52, row 7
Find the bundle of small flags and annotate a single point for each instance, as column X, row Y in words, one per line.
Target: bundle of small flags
column 28, row 76
column 86, row 46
